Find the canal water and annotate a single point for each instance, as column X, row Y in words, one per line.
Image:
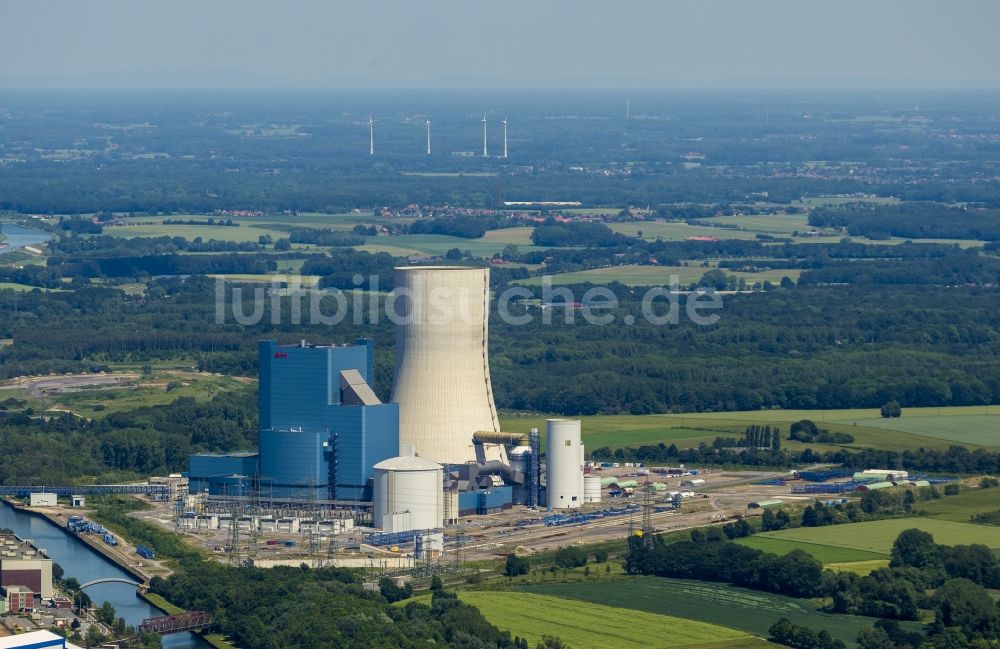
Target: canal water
column 78, row 560
column 16, row 237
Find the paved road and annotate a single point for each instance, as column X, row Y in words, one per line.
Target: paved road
column 38, row 386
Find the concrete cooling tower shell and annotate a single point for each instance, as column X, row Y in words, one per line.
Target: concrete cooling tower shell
column 442, row 379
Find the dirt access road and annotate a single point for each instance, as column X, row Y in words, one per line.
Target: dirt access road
column 37, row 387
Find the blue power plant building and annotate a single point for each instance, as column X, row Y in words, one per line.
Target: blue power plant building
column 322, row 427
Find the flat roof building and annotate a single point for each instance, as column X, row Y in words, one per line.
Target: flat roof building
column 36, row 640
column 22, row 564
column 322, row 428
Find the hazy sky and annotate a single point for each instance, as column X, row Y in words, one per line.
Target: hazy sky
column 470, row 43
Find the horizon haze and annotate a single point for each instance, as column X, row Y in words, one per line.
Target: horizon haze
column 520, row 44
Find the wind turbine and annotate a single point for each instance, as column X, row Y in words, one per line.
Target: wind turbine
column 485, row 153
column 371, row 135
column 504, row 138
column 428, row 122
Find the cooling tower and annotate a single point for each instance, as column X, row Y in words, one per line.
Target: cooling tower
column 442, row 380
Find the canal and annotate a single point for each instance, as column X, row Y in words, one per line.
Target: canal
column 79, row 561
column 16, row 236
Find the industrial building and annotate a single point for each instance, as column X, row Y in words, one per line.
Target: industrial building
column 24, row 565
column 322, row 428
column 217, row 473
column 42, row 500
column 18, row 598
column 880, row 475
column 434, row 453
column 36, row 640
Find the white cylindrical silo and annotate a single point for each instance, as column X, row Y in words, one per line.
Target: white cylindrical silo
column 442, row 378
column 408, row 494
column 564, row 464
column 591, row 488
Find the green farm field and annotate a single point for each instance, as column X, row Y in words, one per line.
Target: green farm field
column 980, row 427
column 677, row 231
column 962, row 507
column 593, row 625
column 438, row 244
column 300, row 280
column 860, row 568
column 878, row 536
column 748, row 610
column 778, row 224
column 690, row 429
column 826, row 554
column 821, row 201
column 156, row 228
column 24, row 287
column 517, row 236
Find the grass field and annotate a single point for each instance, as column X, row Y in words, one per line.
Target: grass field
column 690, row 429
column 826, row 554
column 300, row 280
column 979, row 429
column 438, row 244
column 622, row 430
column 861, row 568
column 752, row 225
column 25, row 288
column 592, row 625
column 778, row 224
column 748, row 610
column 878, row 536
column 517, row 236
column 156, row 228
column 677, row 231
column 963, row 506
column 201, row 387
column 818, row 201
column 632, row 275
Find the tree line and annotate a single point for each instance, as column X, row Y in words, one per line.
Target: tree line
column 951, row 581
column 915, row 220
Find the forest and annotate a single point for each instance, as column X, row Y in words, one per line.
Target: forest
column 953, row 460
column 918, row 345
column 324, row 607
column 125, row 445
column 917, row 220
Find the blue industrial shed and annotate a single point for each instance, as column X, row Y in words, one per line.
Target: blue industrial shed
column 210, row 471
column 321, row 426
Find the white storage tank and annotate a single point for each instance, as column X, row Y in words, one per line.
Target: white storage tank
column 592, row 489
column 564, row 464
column 408, row 494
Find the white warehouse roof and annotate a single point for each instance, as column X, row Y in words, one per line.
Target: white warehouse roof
column 36, row 640
column 408, row 463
